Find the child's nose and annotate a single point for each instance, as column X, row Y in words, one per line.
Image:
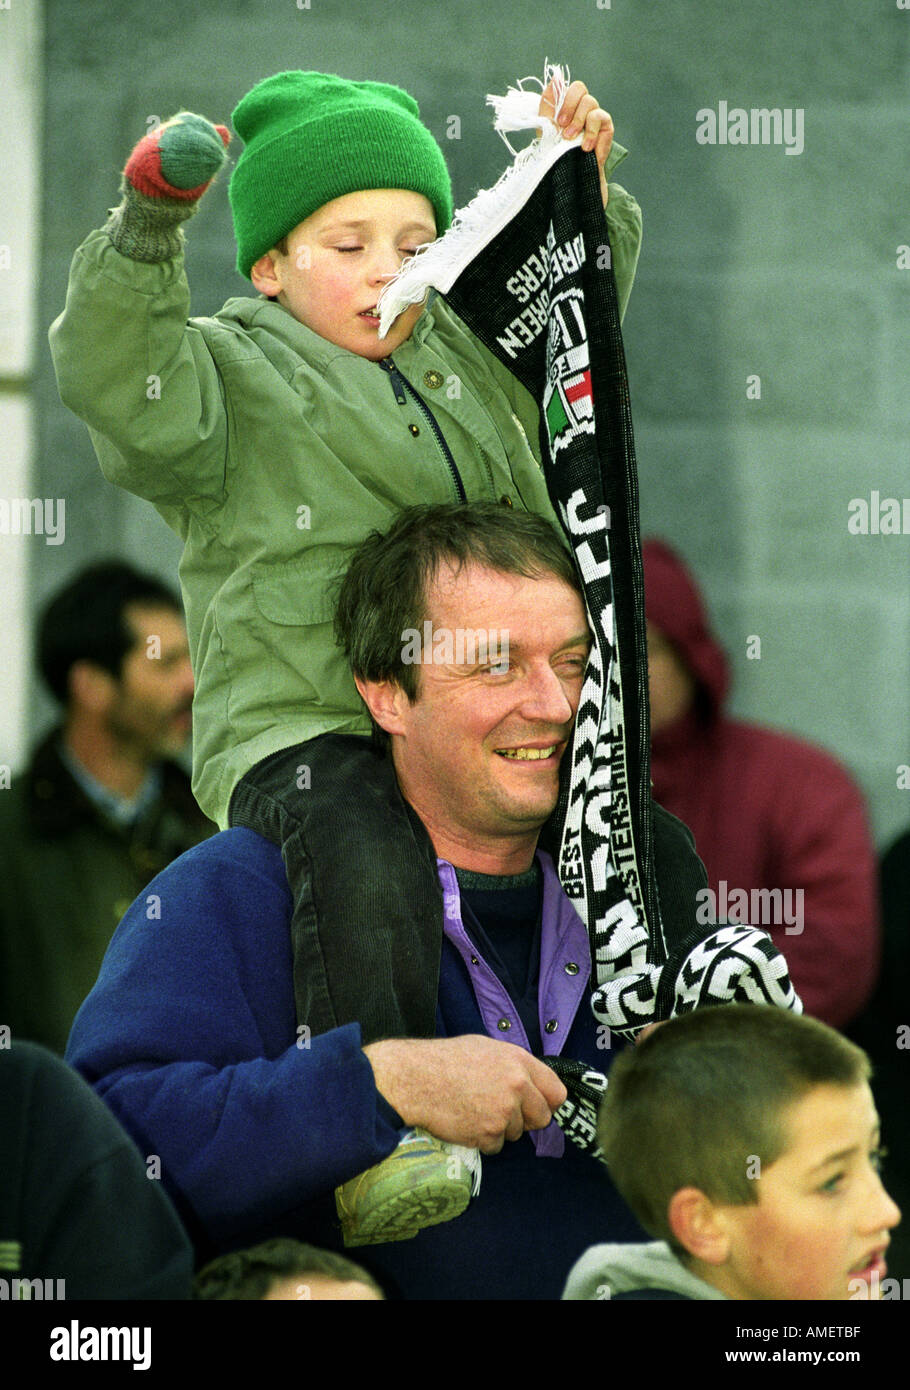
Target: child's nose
column 384, row 264
column 893, row 1211
column 886, row 1211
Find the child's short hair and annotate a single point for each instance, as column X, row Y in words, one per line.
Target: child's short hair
column 249, row 1274
column 704, row 1094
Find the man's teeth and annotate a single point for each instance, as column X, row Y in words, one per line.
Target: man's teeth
column 529, row 754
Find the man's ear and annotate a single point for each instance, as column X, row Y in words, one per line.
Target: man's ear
column 91, row 686
column 265, row 276
column 696, row 1223
column 386, row 702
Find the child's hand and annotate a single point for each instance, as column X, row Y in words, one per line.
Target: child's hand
column 165, row 176
column 178, row 159
column 581, row 113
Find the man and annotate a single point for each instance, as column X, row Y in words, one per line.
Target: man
column 101, row 808
column 768, row 811
column 192, row 1036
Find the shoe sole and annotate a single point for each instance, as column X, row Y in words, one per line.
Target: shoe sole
column 404, row 1213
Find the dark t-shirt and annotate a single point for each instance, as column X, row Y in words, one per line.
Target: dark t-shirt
column 502, row 916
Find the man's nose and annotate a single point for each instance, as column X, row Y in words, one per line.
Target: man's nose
column 184, row 677
column 544, row 697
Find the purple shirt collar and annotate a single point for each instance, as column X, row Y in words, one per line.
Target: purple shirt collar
column 565, row 967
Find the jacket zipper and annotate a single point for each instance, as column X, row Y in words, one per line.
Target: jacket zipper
column 402, row 387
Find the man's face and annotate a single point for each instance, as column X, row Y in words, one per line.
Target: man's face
column 670, row 682
column 150, row 708
column 820, row 1227
column 341, row 257
column 478, row 752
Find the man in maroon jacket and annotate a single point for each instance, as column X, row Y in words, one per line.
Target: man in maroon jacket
column 779, row 824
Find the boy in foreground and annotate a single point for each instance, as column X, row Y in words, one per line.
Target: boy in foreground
column 745, row 1139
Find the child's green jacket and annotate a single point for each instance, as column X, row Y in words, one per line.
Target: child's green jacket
column 272, row 453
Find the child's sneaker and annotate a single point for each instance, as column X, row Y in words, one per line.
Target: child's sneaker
column 423, row 1182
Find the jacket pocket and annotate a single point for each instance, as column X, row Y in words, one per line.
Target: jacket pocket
column 300, row 592
column 297, row 672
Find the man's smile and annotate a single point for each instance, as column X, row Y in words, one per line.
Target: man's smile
column 528, row 753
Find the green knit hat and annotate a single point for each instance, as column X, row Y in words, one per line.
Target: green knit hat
column 310, row 137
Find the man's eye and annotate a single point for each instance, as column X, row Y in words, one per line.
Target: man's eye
column 877, row 1157
column 348, row 248
column 833, row 1184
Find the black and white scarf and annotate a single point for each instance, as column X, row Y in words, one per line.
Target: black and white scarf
column 527, row 267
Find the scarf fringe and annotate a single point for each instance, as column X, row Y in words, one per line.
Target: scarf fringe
column 439, row 264
column 519, row 110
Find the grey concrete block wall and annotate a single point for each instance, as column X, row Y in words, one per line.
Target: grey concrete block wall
column 756, row 262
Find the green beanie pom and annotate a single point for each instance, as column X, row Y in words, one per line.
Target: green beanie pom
column 310, row 137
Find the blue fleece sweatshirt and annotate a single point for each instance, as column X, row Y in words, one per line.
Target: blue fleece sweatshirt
column 190, row 1036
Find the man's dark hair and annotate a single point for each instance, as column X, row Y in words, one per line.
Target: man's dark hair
column 86, row 621
column 383, row 594
column 249, row 1274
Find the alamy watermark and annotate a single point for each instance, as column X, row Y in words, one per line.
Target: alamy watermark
column 880, row 516
column 758, row 907
column 759, row 125
column 461, row 646
column 875, row 1287
column 85, row 1343
column 21, row 1289
column 34, row 516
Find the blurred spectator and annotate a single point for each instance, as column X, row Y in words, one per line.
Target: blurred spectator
column 80, row 1214
column 768, row 811
column 100, row 809
column 284, row 1269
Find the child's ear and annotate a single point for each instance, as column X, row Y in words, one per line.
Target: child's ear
column 695, row 1222
column 385, row 701
column 264, row 275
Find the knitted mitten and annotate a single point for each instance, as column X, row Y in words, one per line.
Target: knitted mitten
column 165, row 176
